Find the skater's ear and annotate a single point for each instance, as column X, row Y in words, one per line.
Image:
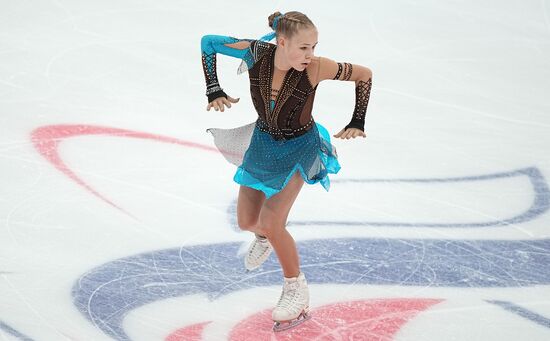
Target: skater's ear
column 282, row 40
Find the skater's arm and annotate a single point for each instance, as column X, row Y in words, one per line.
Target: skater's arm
column 212, row 45
column 362, row 76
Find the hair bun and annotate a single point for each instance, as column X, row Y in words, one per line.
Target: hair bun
column 272, row 17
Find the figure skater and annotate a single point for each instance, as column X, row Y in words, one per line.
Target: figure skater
column 284, row 147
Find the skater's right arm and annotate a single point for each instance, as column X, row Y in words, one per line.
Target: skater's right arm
column 210, row 46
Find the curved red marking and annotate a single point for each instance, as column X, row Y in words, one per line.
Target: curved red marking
column 189, row 333
column 46, row 140
column 373, row 320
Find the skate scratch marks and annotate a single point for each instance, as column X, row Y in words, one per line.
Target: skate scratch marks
column 108, row 293
column 376, row 320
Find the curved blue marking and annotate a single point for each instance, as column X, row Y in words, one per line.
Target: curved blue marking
column 540, row 205
column 523, row 312
column 13, row 332
column 109, row 292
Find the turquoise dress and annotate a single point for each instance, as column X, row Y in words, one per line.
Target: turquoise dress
column 263, row 162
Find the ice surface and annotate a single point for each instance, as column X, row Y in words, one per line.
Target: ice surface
column 117, row 214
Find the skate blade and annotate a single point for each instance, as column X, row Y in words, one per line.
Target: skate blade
column 280, row 326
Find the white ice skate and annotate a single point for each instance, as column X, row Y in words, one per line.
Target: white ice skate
column 257, row 253
column 293, row 306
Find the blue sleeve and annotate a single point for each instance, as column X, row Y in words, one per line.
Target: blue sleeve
column 210, row 46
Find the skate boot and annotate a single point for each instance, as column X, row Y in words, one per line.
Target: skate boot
column 293, row 306
column 257, row 253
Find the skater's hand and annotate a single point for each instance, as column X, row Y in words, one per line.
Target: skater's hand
column 220, row 103
column 350, row 133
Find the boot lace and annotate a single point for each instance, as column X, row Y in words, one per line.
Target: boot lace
column 289, row 297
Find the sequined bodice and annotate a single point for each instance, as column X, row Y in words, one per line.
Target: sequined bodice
column 292, row 109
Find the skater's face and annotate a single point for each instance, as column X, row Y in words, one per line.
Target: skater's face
column 299, row 49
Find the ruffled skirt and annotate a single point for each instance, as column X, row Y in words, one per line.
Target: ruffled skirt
column 267, row 164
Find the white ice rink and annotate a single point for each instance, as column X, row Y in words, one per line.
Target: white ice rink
column 117, row 214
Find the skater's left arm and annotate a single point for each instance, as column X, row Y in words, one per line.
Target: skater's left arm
column 362, row 76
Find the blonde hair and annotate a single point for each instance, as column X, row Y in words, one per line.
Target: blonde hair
column 289, row 23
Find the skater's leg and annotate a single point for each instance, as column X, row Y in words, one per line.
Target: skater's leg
column 249, row 205
column 272, row 224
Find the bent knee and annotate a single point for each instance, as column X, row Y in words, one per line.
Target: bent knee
column 269, row 225
column 270, row 231
column 247, row 224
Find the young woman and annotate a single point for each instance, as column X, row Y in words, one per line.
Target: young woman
column 284, row 147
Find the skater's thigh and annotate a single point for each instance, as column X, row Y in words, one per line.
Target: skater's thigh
column 278, row 206
column 249, row 205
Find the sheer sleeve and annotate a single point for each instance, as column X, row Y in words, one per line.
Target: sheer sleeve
column 211, row 45
column 362, row 76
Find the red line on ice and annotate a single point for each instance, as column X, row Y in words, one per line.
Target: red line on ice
column 46, row 140
column 372, row 320
column 189, row 333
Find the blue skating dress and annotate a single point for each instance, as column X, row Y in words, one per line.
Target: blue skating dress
column 284, row 139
